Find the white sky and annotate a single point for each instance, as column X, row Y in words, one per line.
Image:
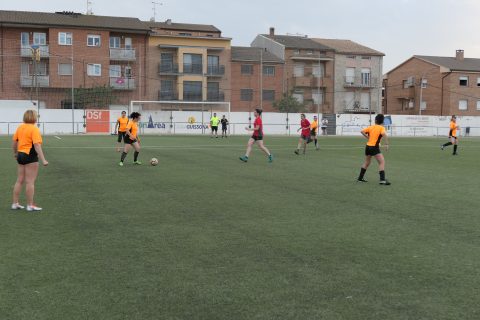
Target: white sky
column 399, row 28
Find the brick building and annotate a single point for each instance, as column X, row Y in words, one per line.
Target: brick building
column 188, row 62
column 87, row 51
column 358, row 76
column 257, row 79
column 450, row 85
column 309, row 68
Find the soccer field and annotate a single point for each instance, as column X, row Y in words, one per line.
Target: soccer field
column 205, row 236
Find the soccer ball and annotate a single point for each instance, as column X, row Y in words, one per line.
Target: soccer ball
column 154, row 161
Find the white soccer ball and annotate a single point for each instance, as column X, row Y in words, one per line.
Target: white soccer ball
column 154, row 161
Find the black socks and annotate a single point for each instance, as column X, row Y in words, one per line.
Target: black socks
column 455, row 149
column 316, row 142
column 447, row 144
column 362, row 174
column 135, row 155
column 124, row 155
column 382, row 175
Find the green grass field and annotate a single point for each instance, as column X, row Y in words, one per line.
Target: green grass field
column 204, row 236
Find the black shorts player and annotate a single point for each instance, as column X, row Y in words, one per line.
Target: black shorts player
column 372, row 150
column 121, row 136
column 24, row 158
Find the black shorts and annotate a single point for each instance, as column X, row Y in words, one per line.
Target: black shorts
column 121, row 136
column 306, row 138
column 24, row 159
column 214, row 129
column 313, row 133
column 127, row 140
column 224, row 129
column 257, row 138
column 372, row 151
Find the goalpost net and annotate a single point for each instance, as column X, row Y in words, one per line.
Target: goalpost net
column 178, row 117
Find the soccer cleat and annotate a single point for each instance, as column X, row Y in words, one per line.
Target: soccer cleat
column 244, row 158
column 296, row 152
column 17, row 206
column 121, row 164
column 455, row 154
column 362, row 180
column 442, row 147
column 270, row 158
column 384, row 183
column 138, row 163
column 33, row 208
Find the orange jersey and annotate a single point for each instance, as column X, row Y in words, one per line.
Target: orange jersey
column 375, row 134
column 133, row 128
column 26, row 136
column 453, row 129
column 314, row 125
column 122, row 124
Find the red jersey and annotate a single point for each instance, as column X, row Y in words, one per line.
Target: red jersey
column 258, row 123
column 305, row 124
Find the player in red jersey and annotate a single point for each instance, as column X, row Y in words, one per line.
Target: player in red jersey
column 305, row 136
column 257, row 137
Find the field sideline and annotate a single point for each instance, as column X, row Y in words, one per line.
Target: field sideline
column 205, row 236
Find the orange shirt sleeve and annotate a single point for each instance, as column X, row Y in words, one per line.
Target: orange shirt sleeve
column 36, row 137
column 15, row 136
column 366, row 130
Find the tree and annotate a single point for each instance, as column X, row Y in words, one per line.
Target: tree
column 289, row 104
column 98, row 97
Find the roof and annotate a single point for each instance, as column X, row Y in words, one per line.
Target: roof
column 348, row 47
column 297, row 42
column 253, row 54
column 182, row 26
column 69, row 19
column 467, row 64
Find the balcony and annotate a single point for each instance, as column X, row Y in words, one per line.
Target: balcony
column 32, row 81
column 167, row 95
column 120, row 83
column 215, row 71
column 118, row 54
column 356, row 107
column 191, row 96
column 359, row 82
column 27, row 52
column 168, row 69
column 303, row 81
column 215, row 96
column 192, row 68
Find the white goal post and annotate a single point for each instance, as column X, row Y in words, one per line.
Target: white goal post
column 177, row 117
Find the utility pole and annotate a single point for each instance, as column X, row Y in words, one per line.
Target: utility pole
column 261, row 78
column 422, row 86
column 319, row 75
column 36, row 59
column 73, row 92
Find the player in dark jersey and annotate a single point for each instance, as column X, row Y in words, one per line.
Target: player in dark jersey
column 374, row 134
column 224, row 123
column 257, row 137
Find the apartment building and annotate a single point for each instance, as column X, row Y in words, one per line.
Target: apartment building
column 188, row 62
column 433, row 85
column 44, row 55
column 257, row 79
column 358, row 76
column 309, row 68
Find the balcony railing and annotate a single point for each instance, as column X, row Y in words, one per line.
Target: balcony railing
column 356, row 107
column 192, row 68
column 119, row 54
column 120, row 83
column 215, row 70
column 190, row 96
column 168, row 68
column 167, row 95
column 360, row 82
column 32, row 81
column 27, row 52
column 215, row 96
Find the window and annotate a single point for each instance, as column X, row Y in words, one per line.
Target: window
column 192, row 63
column 351, row 57
column 268, row 95
column 423, row 105
column 317, row 96
column 365, row 100
column 350, row 75
column 463, row 105
column 94, row 70
column 213, row 91
column 192, row 91
column 478, row 105
column 349, row 99
column 213, row 64
column 247, row 69
column 128, row 72
column 115, row 42
column 365, row 77
column 185, row 34
column 65, row 38
column 298, row 70
column 318, row 71
column 478, row 82
column 128, row 43
column 25, row 39
column 39, row 38
column 296, row 52
column 246, row 94
column 310, row 52
column 463, row 81
column 298, row 95
column 65, row 69
column 115, row 71
column 167, row 91
column 269, row 71
column 93, row 40
column 366, row 58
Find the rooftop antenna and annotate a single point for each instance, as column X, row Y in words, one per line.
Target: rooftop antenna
column 89, row 8
column 155, row 4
